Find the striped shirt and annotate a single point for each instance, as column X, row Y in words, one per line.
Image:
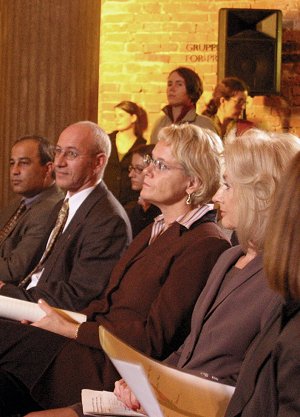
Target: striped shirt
column 159, row 226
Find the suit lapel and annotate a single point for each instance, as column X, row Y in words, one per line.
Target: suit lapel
column 78, row 218
column 207, row 297
column 259, row 352
column 240, row 277
column 139, row 248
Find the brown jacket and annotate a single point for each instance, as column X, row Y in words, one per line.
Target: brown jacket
column 148, row 304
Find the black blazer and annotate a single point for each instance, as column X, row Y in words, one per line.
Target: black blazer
column 79, row 266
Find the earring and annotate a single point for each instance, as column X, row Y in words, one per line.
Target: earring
column 188, row 200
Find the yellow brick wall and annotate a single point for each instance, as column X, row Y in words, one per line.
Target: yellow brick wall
column 143, row 40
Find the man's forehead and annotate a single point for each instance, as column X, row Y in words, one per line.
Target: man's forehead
column 28, row 148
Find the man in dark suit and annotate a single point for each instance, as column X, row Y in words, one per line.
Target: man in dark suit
column 31, row 178
column 96, row 230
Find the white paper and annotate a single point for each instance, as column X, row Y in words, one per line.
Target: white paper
column 11, row 308
column 179, row 394
column 97, row 403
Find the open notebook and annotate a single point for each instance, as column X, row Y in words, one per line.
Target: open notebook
column 164, row 391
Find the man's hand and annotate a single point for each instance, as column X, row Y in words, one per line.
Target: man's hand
column 54, row 322
column 2, row 284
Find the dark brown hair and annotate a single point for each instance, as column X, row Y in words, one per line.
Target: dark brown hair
column 141, row 123
column 227, row 88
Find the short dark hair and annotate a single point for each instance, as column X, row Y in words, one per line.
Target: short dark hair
column 144, row 149
column 45, row 147
column 193, row 83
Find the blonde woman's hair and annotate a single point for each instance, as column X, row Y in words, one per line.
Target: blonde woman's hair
column 281, row 255
column 256, row 162
column 198, row 151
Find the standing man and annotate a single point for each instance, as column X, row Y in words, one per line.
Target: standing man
column 23, row 223
column 77, row 267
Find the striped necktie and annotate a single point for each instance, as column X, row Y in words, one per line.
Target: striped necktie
column 12, row 222
column 58, row 228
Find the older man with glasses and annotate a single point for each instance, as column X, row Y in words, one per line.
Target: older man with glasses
column 88, row 230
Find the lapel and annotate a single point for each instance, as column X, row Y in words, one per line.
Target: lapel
column 203, row 307
column 240, row 277
column 258, row 354
column 206, row 299
column 139, row 248
column 97, row 194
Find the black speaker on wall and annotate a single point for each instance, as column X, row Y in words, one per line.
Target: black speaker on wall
column 249, row 47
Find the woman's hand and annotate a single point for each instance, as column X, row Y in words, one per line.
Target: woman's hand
column 54, row 322
column 124, row 394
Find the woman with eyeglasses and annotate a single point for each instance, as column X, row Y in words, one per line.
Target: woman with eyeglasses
column 152, row 290
column 131, row 123
column 143, row 212
column 226, row 107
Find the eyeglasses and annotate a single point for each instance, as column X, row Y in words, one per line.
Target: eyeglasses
column 239, row 101
column 158, row 164
column 138, row 169
column 69, row 154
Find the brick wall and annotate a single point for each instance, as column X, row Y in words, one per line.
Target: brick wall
column 143, row 40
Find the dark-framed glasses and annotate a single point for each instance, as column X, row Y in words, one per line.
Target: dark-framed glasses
column 138, row 169
column 158, row 164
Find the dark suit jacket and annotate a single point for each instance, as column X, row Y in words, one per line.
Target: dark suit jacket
column 269, row 381
column 222, row 331
column 79, row 266
column 23, row 247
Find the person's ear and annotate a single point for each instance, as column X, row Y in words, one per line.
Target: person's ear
column 100, row 161
column 133, row 118
column 194, row 185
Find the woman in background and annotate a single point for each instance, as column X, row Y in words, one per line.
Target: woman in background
column 142, row 213
column 226, row 107
column 269, row 381
column 184, row 88
column 131, row 123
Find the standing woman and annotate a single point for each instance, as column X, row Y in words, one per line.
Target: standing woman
column 184, row 88
column 152, row 290
column 226, row 107
column 131, row 123
column 269, row 382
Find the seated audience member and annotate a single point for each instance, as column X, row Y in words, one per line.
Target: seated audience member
column 269, row 381
column 236, row 302
column 226, row 107
column 131, row 123
column 77, row 262
column 152, row 290
column 142, row 213
column 184, row 88
column 24, row 222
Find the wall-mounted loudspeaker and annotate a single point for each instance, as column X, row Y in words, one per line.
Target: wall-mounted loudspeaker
column 249, row 47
